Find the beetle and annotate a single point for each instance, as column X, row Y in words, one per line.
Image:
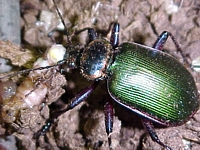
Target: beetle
column 148, row 81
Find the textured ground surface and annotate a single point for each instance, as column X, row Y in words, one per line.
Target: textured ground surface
column 83, row 127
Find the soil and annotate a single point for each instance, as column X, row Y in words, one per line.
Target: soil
column 83, row 127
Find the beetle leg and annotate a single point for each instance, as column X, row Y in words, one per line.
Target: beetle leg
column 92, row 35
column 159, row 44
column 81, row 96
column 50, row 35
column 108, row 110
column 114, row 38
column 148, row 125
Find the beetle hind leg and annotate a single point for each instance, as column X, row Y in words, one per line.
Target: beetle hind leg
column 160, row 42
column 150, row 129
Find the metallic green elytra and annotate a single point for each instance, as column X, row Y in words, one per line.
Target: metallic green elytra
column 153, row 84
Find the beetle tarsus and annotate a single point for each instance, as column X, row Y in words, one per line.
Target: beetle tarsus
column 44, row 129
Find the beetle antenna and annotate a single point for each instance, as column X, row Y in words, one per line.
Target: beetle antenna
column 59, row 14
column 25, row 71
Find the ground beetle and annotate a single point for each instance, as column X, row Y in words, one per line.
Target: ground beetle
column 145, row 80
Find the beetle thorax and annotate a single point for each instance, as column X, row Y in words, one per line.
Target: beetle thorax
column 95, row 59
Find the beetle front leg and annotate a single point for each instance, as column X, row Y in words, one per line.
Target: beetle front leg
column 108, row 110
column 148, row 125
column 92, row 35
column 81, row 96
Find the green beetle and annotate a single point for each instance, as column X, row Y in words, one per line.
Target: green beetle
column 151, row 83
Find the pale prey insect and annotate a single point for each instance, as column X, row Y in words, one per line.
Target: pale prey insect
column 35, row 87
